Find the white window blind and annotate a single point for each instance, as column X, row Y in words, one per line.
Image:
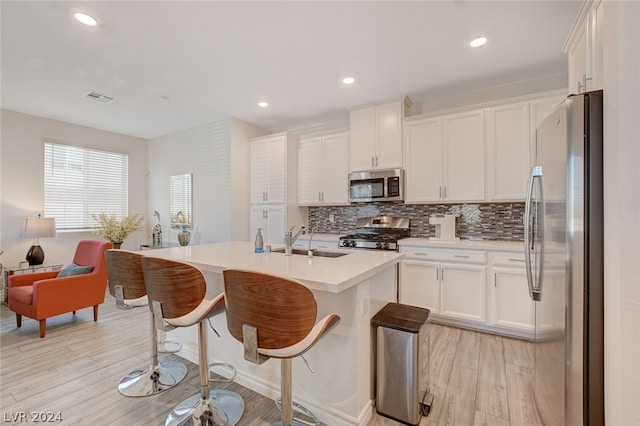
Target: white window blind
column 80, row 182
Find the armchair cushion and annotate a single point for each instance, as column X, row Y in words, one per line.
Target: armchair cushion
column 23, row 294
column 73, row 269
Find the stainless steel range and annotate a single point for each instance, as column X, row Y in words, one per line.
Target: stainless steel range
column 377, row 233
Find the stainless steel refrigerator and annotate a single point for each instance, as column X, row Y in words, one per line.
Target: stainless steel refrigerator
column 565, row 272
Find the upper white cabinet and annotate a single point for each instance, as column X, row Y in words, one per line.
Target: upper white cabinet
column 269, row 169
column 584, row 49
column 464, row 152
column 376, row 137
column 508, row 151
column 444, row 158
column 323, row 170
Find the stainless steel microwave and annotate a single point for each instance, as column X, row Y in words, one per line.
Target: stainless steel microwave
column 376, row 185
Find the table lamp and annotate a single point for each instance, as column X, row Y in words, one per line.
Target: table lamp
column 39, row 227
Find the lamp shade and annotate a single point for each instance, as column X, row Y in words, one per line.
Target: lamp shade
column 40, row 227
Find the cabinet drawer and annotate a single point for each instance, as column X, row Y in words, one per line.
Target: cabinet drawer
column 466, row 256
column 515, row 259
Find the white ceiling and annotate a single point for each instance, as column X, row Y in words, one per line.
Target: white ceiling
column 173, row 65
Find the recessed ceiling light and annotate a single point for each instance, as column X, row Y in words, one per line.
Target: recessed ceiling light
column 348, row 80
column 477, row 42
column 85, row 19
column 263, row 104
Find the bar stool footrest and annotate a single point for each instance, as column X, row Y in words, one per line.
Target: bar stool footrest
column 296, row 420
column 169, row 347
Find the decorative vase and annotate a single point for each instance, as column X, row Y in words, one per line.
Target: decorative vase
column 184, row 237
column 116, row 245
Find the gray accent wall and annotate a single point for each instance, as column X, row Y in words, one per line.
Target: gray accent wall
column 501, row 222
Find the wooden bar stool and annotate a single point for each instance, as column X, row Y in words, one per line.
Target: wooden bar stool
column 178, row 296
column 274, row 317
column 126, row 284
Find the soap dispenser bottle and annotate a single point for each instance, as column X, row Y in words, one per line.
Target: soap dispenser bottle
column 259, row 242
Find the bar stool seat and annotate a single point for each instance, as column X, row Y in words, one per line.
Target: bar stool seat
column 178, row 296
column 274, row 317
column 126, row 284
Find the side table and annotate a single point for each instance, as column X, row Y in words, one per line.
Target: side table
column 11, row 270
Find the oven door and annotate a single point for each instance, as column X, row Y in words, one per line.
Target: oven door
column 371, row 189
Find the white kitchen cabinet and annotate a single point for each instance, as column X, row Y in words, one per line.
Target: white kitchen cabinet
column 584, row 48
column 271, row 218
column 463, row 291
column 508, row 151
column 269, row 169
column 274, row 186
column 376, row 137
column 423, row 160
column 420, row 284
column 511, row 306
column 446, row 158
column 451, row 283
column 323, row 170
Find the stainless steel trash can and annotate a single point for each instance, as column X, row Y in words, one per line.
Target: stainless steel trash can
column 402, row 359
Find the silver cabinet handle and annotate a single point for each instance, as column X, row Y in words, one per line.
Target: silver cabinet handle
column 319, row 196
column 461, row 256
column 516, row 260
column 420, row 254
column 445, row 191
column 372, row 165
column 440, row 191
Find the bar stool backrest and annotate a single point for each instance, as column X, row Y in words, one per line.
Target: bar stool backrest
column 178, row 286
column 282, row 310
column 124, row 268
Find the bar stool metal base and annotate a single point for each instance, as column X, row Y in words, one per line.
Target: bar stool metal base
column 153, row 380
column 193, row 409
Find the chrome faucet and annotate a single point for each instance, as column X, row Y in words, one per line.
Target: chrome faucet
column 289, row 240
column 310, row 252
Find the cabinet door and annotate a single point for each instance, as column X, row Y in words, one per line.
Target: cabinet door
column 423, row 160
column 578, row 60
column 388, row 152
column 362, row 139
column 335, row 169
column 310, row 164
column 259, row 176
column 464, row 156
column 511, row 305
column 258, row 219
column 509, row 148
column 271, row 218
column 276, row 223
column 419, row 284
column 463, row 292
column 276, row 169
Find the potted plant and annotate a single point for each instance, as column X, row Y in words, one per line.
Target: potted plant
column 116, row 230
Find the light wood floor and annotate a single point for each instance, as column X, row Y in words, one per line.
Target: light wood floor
column 476, row 379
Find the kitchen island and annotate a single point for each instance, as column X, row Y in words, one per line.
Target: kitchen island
column 354, row 286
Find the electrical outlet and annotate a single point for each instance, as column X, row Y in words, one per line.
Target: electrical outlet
column 332, row 218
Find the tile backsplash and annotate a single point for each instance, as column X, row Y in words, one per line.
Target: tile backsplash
column 476, row 221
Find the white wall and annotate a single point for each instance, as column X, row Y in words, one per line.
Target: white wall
column 217, row 155
column 22, row 180
column 621, row 72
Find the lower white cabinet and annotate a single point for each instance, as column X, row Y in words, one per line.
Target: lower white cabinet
column 271, row 218
column 511, row 305
column 444, row 286
column 420, row 284
column 463, row 291
column 479, row 289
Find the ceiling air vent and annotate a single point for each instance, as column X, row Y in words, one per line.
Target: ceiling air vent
column 99, row 97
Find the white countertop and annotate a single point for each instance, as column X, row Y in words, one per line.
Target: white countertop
column 318, row 273
column 463, row 244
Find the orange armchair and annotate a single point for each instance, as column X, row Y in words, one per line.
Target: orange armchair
column 43, row 295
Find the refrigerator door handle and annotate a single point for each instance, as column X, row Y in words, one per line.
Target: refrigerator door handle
column 529, row 231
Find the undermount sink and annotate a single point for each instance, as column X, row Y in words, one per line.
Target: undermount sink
column 316, row 253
